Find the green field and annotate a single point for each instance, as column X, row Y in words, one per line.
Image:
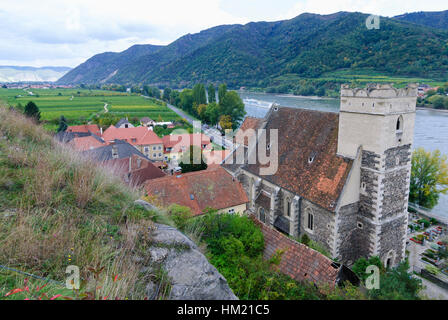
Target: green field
column 361, row 76
column 80, row 105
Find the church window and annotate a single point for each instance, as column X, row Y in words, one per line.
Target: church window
column 309, row 225
column 288, row 207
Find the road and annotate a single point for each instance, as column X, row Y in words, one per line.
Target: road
column 213, row 133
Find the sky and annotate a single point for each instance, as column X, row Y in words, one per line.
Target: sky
column 68, row 32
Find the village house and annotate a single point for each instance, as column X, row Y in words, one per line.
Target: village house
column 87, row 143
column 135, row 170
column 343, row 186
column 200, row 190
column 176, row 144
column 147, row 122
column 142, row 138
column 124, row 124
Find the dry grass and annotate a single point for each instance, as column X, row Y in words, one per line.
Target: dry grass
column 64, row 210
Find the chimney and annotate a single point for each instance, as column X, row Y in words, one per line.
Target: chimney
column 101, row 131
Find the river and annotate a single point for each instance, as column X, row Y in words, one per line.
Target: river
column 431, row 127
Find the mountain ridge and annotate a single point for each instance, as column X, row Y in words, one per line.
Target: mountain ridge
column 27, row 73
column 252, row 54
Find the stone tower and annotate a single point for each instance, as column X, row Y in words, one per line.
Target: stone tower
column 376, row 126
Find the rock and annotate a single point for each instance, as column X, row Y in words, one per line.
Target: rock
column 192, row 276
column 146, row 205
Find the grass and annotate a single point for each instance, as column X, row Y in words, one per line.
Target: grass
column 79, row 106
column 58, row 209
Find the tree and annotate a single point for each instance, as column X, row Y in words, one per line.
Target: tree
column 429, row 177
column 211, row 94
column 193, row 160
column 62, row 124
column 202, row 112
column 225, row 122
column 360, row 267
column 199, row 95
column 32, row 111
column 212, row 113
column 167, row 94
column 397, row 284
column 186, row 100
column 232, row 105
column 437, row 101
column 222, row 90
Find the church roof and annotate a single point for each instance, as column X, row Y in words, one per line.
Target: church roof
column 307, row 163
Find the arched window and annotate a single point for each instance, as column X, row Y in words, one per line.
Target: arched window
column 309, row 219
column 262, row 215
column 399, row 127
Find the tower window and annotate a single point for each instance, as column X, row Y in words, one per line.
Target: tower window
column 399, row 126
column 363, row 186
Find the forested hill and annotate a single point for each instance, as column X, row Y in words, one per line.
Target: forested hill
column 436, row 19
column 250, row 55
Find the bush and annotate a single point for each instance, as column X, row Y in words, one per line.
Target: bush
column 305, row 240
column 180, row 215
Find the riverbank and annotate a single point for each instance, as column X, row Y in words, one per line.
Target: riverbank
column 433, row 109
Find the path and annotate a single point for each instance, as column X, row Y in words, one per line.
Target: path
column 106, row 110
column 211, row 132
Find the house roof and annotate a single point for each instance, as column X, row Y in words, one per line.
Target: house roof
column 124, row 150
column 299, row 261
column 198, row 190
column 145, row 120
column 87, row 143
column 137, row 169
column 139, row 136
column 307, row 163
column 249, row 123
column 122, row 122
column 88, row 128
column 177, row 141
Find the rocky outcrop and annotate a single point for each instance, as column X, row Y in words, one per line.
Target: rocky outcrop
column 192, row 277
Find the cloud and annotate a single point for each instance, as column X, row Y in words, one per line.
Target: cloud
column 67, row 32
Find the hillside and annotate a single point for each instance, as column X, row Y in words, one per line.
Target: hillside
column 254, row 54
column 18, row 74
column 58, row 210
column 436, row 19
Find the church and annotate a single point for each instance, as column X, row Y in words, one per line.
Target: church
column 342, row 178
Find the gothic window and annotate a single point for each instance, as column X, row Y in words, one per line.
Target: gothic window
column 309, row 223
column 262, row 215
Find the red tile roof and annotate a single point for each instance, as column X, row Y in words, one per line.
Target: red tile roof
column 211, row 188
column 88, row 128
column 137, row 175
column 298, row 261
column 86, row 143
column 177, row 141
column 249, row 123
column 140, row 136
column 305, row 135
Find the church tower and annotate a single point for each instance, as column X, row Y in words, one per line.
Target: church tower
column 376, row 125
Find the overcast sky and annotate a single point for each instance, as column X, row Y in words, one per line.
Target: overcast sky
column 67, row 32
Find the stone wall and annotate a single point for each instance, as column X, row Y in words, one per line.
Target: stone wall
column 354, row 235
column 324, row 221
